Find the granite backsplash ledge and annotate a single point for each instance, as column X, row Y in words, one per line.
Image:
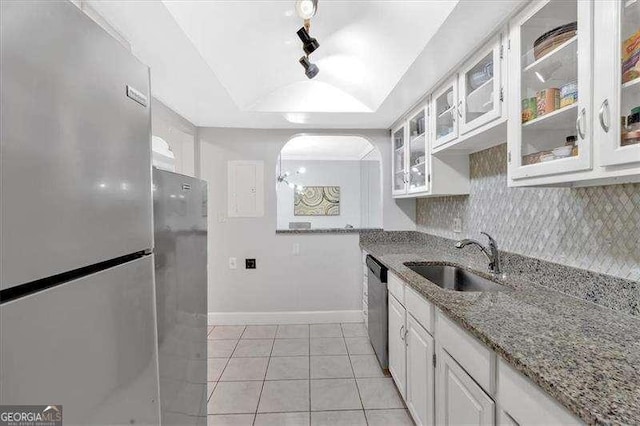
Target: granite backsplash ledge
column 616, row 293
column 593, row 228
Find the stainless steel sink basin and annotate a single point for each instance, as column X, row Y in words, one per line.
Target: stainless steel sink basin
column 453, row 278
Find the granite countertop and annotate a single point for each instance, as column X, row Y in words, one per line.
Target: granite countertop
column 326, row 231
column 586, row 356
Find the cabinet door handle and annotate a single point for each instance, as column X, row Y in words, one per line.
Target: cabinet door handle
column 579, row 120
column 604, row 107
column 402, row 335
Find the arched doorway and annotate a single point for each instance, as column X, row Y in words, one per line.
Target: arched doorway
column 329, row 182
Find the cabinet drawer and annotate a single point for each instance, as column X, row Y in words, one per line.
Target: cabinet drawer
column 478, row 360
column 421, row 309
column 396, row 287
column 526, row 403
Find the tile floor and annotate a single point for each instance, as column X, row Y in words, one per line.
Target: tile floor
column 299, row 375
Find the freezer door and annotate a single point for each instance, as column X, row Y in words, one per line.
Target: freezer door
column 75, row 180
column 180, row 221
column 89, row 344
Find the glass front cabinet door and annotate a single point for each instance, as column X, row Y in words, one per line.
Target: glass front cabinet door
column 399, row 159
column 446, row 113
column 617, row 81
column 480, row 88
column 550, row 89
column 418, row 160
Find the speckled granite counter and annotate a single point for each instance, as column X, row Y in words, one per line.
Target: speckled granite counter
column 326, row 231
column 584, row 355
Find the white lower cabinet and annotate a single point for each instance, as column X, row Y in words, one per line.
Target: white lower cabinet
column 523, row 403
column 468, row 385
column 397, row 347
column 420, row 373
column 459, row 399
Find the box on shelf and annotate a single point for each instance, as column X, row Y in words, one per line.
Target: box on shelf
column 547, row 100
column 529, row 109
column 568, row 94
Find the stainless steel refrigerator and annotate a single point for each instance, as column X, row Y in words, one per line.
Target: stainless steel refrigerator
column 77, row 306
column 180, row 223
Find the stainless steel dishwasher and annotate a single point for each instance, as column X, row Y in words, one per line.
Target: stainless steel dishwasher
column 378, row 315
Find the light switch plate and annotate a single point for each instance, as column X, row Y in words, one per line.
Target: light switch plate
column 457, row 225
column 296, row 249
column 233, row 263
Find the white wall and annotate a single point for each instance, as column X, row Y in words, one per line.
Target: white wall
column 371, row 193
column 345, row 174
column 325, row 276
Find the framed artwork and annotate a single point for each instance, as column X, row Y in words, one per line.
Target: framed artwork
column 317, row 201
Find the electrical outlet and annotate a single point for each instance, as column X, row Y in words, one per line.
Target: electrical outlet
column 233, row 263
column 296, row 249
column 457, row 225
column 249, row 264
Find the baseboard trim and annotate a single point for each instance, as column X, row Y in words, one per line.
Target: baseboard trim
column 294, row 317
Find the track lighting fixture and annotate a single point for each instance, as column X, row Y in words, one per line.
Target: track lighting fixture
column 306, row 8
column 309, row 44
column 310, row 70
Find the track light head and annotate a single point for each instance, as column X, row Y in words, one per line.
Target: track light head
column 309, row 44
column 310, row 70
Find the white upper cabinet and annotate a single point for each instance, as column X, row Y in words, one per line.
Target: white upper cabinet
column 480, row 88
column 617, row 81
column 550, row 89
column 399, row 160
column 446, row 113
column 418, row 164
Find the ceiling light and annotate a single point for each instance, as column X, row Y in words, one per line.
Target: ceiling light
column 310, row 70
column 306, row 8
column 309, row 44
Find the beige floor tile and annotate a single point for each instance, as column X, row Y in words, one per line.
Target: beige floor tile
column 340, row 418
column 334, row 394
column 253, row 348
column 359, row 346
column 354, row 329
column 235, row 398
column 288, row 368
column 290, row 347
column 282, row 419
column 260, row 332
column 293, row 331
column 284, row 396
column 366, row 366
column 379, row 393
column 229, row 332
column 220, row 348
column 240, row 369
column 328, row 346
column 228, row 420
column 399, row 417
column 325, row 330
column 331, row 367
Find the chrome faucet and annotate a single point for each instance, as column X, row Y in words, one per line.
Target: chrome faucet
column 491, row 252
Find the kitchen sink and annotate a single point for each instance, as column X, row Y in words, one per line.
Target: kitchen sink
column 451, row 277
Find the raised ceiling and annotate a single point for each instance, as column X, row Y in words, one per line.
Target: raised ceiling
column 235, row 63
column 337, row 148
column 365, row 48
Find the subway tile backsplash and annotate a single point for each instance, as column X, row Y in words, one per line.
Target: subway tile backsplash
column 594, row 228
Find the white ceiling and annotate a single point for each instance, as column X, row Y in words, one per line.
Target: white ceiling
column 234, row 63
column 339, row 148
column 365, row 47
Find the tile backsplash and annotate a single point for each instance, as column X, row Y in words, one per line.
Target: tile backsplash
column 594, row 228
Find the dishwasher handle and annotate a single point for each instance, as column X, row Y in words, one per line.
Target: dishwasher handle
column 376, row 268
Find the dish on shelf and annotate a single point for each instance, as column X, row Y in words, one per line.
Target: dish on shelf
column 481, row 76
column 562, row 151
column 554, row 38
